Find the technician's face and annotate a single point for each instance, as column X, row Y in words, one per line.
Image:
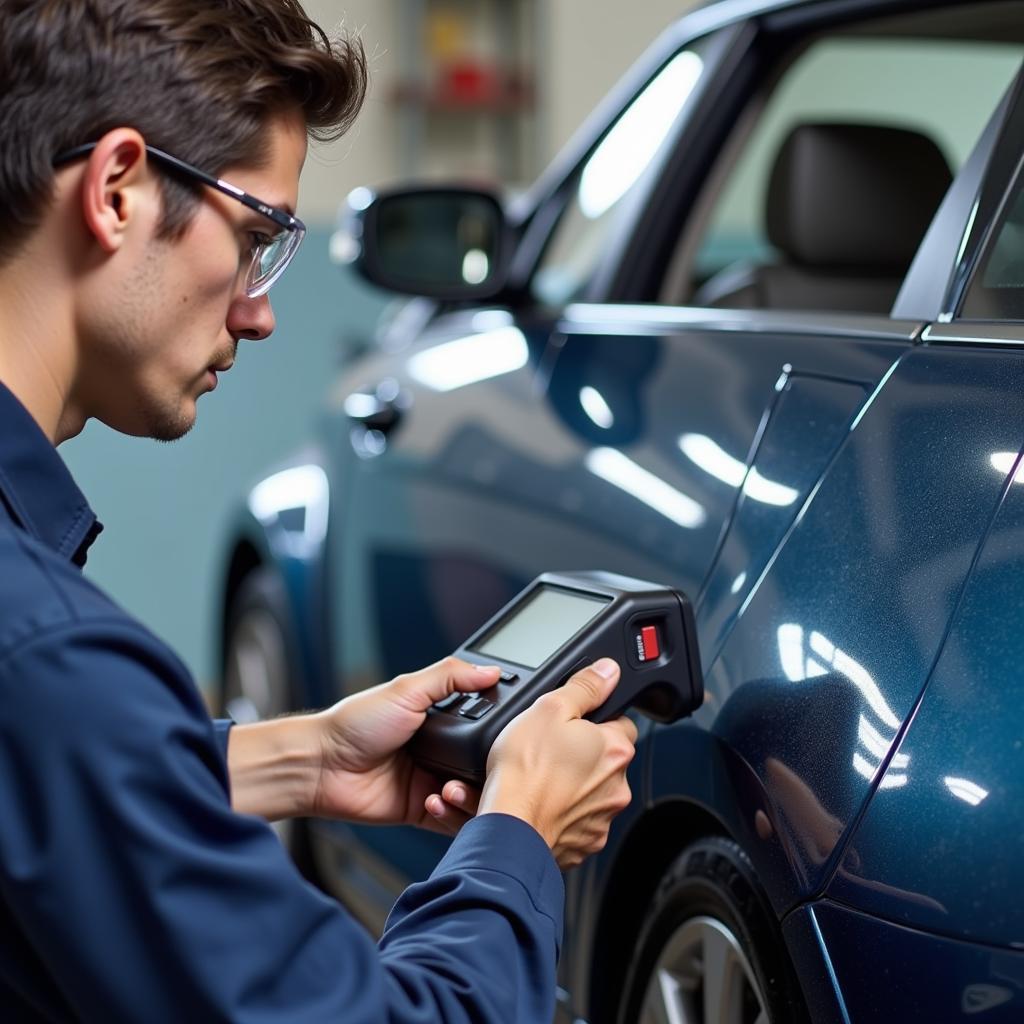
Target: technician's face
column 183, row 308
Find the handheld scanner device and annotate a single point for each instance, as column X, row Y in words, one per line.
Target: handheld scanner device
column 559, row 624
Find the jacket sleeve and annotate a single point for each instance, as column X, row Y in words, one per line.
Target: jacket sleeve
column 146, row 897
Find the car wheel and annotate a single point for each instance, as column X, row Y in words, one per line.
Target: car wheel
column 710, row 951
column 258, row 679
column 257, row 674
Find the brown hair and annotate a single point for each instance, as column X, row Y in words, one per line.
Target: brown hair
column 198, row 78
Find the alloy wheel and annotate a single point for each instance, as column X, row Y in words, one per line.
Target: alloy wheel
column 703, row 977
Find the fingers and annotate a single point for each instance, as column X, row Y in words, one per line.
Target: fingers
column 625, row 726
column 590, row 687
column 443, row 817
column 437, row 681
column 453, row 808
column 462, row 796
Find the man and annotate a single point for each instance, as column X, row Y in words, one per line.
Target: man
column 138, row 880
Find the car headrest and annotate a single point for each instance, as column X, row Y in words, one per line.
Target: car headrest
column 854, row 195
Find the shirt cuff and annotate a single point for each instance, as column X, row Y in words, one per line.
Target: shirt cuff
column 504, row 843
column 221, row 729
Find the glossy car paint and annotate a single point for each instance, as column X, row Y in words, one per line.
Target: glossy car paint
column 819, row 675
column 891, row 973
column 924, row 853
column 836, row 493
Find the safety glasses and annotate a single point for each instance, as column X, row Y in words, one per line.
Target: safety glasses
column 271, row 254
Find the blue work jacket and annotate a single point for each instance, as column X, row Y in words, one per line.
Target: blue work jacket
column 129, row 888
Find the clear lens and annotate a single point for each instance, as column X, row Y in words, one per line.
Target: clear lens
column 270, row 261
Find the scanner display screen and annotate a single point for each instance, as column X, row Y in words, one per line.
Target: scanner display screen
column 545, row 622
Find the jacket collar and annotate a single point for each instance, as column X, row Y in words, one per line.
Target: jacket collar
column 37, row 488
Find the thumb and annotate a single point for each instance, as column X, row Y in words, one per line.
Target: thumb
column 591, row 686
column 434, row 683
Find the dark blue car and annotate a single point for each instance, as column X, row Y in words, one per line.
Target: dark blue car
column 758, row 334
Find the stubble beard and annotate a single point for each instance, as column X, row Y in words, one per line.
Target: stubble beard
column 166, row 427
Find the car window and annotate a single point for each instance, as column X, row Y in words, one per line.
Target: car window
column 831, row 178
column 604, row 181
column 996, row 291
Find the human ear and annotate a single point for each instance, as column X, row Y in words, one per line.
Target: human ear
column 110, row 191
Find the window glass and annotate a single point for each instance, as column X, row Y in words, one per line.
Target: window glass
column 944, row 89
column 997, row 291
column 609, row 176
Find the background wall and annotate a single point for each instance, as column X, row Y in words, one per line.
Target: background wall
column 166, row 508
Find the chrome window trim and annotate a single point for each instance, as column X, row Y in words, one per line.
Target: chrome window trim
column 975, row 332
column 597, row 318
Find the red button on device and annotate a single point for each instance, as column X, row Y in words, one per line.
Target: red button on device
column 649, row 637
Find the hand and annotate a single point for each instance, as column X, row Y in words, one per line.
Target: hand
column 563, row 775
column 366, row 775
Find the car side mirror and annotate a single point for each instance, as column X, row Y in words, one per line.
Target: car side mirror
column 439, row 242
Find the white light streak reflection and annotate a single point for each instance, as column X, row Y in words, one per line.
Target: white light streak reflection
column 872, row 739
column 454, row 364
column 970, row 792
column 805, row 656
column 627, row 150
column 714, row 460
column 301, row 487
column 624, row 473
column 1003, row 463
column 858, row 675
column 596, row 407
column 893, row 780
column 768, row 492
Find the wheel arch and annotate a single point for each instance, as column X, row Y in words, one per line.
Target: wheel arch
column 282, row 527
column 657, row 838
column 245, row 558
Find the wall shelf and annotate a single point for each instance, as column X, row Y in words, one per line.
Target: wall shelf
column 467, row 101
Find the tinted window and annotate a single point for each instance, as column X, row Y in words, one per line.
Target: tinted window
column 604, row 181
column 937, row 91
column 997, row 291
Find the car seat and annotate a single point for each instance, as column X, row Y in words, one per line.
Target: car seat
column 847, row 207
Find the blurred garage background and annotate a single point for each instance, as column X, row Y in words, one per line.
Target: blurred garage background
column 486, row 90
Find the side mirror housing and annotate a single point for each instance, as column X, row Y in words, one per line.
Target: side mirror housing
column 440, row 242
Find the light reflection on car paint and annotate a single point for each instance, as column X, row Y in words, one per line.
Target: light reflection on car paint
column 817, row 657
column 463, row 361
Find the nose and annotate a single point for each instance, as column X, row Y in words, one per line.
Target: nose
column 251, row 319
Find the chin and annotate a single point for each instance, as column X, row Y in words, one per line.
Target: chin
column 168, row 424
column 173, row 432
column 173, row 428
column 159, row 421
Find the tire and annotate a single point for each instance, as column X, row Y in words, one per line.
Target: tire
column 710, row 950
column 259, row 680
